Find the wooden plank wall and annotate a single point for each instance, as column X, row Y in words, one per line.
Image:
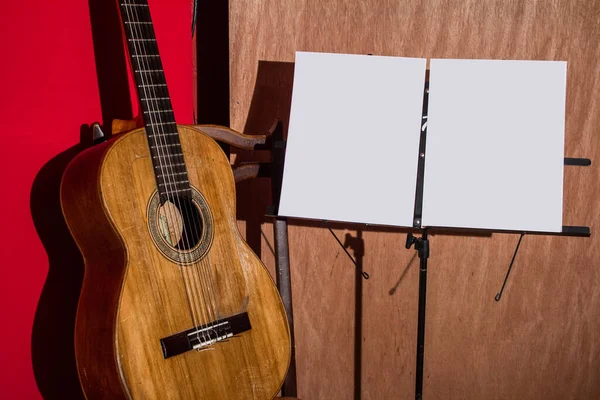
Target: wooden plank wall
column 542, row 340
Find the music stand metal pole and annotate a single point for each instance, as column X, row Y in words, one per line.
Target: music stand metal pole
column 421, row 245
column 422, row 248
column 423, row 255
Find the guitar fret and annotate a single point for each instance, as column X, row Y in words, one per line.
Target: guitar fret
column 157, row 112
column 144, row 55
column 134, row 5
column 167, row 155
column 177, row 190
column 173, row 174
column 156, row 84
column 171, row 165
column 151, row 136
column 148, row 70
column 137, row 23
column 142, row 40
column 163, row 123
column 184, row 181
column 155, row 98
column 165, row 145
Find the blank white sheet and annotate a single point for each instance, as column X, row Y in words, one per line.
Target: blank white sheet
column 495, row 145
column 353, row 138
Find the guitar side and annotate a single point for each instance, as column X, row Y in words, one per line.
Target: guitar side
column 133, row 295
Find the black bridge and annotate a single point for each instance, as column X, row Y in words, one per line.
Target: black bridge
column 205, row 335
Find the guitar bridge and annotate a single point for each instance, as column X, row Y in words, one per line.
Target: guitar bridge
column 205, row 335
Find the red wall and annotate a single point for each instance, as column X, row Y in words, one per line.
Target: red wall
column 49, row 88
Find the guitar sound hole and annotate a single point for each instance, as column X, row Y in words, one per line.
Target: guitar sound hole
column 180, row 223
column 181, row 228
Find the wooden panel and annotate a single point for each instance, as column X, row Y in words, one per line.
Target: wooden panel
column 540, row 340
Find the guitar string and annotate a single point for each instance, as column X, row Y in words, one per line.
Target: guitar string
column 211, row 276
column 184, row 269
column 131, row 9
column 195, row 268
column 198, row 268
column 209, row 298
column 189, row 284
column 201, row 268
column 207, row 276
column 134, row 32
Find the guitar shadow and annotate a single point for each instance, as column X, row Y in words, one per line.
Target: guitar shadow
column 271, row 100
column 52, row 339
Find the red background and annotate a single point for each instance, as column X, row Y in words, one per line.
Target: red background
column 49, row 90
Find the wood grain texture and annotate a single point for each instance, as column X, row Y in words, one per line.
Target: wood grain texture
column 541, row 340
column 229, row 136
column 100, row 247
column 150, row 302
column 125, row 125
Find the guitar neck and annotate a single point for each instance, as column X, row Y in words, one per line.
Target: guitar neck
column 161, row 130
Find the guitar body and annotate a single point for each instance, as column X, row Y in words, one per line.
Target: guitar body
column 134, row 294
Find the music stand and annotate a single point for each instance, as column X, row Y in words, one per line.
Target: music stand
column 517, row 221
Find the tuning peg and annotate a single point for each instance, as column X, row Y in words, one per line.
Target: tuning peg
column 97, row 135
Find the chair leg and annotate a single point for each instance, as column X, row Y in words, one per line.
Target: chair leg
column 282, row 258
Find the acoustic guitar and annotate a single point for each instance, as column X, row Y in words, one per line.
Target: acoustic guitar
column 174, row 304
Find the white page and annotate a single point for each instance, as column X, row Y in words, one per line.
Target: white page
column 495, row 145
column 353, row 138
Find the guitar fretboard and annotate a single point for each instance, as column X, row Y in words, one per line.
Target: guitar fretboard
column 161, row 130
